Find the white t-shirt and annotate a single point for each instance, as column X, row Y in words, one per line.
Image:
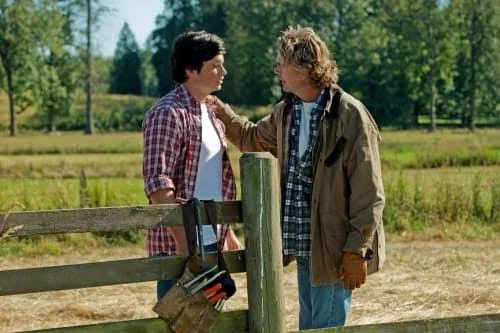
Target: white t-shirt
column 209, row 175
column 305, row 129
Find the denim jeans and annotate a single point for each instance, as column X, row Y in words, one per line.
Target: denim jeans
column 320, row 306
column 163, row 286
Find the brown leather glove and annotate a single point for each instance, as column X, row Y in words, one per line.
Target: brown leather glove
column 353, row 270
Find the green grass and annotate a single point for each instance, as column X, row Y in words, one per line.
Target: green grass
column 464, row 200
column 415, row 198
column 61, row 244
column 454, row 203
column 71, row 143
column 46, row 194
column 399, row 149
column 425, row 120
column 429, row 191
column 70, row 165
column 444, row 148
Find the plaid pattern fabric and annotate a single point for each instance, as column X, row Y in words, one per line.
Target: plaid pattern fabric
column 172, row 144
column 297, row 203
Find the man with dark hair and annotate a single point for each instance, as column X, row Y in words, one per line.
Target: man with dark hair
column 331, row 184
column 184, row 145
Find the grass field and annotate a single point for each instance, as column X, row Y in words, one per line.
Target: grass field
column 119, row 154
column 439, row 187
column 431, row 179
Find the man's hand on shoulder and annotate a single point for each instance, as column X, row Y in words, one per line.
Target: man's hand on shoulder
column 220, row 108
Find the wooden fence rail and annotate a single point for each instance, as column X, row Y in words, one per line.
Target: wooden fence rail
column 259, row 209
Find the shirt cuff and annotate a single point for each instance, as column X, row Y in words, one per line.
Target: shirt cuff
column 357, row 244
column 158, row 183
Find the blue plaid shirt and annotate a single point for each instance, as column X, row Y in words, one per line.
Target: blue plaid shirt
column 297, row 204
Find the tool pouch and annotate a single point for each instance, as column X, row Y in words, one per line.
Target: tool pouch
column 184, row 310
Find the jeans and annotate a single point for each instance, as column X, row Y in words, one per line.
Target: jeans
column 163, row 286
column 320, row 306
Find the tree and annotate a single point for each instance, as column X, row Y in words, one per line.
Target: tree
column 16, row 55
column 88, row 74
column 478, row 59
column 125, row 76
column 56, row 76
column 420, row 54
column 178, row 16
column 149, row 79
column 85, row 16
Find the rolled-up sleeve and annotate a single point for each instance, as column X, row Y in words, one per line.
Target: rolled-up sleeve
column 162, row 145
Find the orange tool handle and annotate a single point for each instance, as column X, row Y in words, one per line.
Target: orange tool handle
column 212, row 290
column 217, row 297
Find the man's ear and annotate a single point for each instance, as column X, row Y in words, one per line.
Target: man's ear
column 189, row 73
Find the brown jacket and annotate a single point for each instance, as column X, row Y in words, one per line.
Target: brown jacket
column 347, row 192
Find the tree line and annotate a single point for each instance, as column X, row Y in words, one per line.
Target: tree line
column 405, row 59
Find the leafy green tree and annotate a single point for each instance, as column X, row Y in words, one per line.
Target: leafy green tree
column 478, row 60
column 56, row 88
column 86, row 16
column 149, row 79
column 420, row 54
column 178, row 16
column 16, row 56
column 125, row 76
column 101, row 67
column 56, row 76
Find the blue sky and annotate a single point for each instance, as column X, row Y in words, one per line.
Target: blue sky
column 139, row 14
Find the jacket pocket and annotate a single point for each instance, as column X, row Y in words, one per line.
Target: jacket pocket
column 334, row 235
column 336, row 153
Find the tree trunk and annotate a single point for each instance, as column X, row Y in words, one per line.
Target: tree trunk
column 463, row 117
column 51, row 122
column 474, row 59
column 432, row 107
column 432, row 83
column 88, row 79
column 12, row 111
column 415, row 114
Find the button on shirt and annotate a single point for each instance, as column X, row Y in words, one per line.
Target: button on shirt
column 172, row 147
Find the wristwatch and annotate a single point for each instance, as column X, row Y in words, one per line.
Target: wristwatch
column 368, row 254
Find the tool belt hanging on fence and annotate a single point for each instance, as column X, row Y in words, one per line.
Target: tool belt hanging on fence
column 194, row 302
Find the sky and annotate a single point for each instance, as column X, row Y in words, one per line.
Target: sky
column 140, row 16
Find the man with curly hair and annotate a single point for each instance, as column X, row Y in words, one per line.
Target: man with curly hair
column 327, row 145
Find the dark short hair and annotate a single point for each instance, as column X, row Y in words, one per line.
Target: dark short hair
column 190, row 49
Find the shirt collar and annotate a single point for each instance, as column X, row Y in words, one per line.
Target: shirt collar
column 319, row 103
column 185, row 97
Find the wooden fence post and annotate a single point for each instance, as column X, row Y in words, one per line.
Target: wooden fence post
column 261, row 219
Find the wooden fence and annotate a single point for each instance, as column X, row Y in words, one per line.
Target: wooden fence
column 259, row 209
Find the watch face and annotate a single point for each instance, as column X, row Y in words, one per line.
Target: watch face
column 369, row 254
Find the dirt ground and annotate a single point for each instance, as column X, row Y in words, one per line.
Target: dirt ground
column 420, row 280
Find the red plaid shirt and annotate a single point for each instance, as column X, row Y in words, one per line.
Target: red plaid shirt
column 172, row 144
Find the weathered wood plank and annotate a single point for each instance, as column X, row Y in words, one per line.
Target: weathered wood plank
column 31, row 280
column 487, row 323
column 228, row 322
column 109, row 218
column 261, row 213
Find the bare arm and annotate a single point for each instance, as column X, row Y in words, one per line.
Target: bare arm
column 232, row 242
